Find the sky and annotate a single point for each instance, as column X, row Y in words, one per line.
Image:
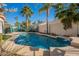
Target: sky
column 10, row 16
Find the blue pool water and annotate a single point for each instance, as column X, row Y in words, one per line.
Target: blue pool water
column 41, row 41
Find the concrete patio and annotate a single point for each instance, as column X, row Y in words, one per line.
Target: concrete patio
column 11, row 49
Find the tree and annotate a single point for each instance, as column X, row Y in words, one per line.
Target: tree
column 23, row 26
column 28, row 25
column 67, row 14
column 17, row 24
column 46, row 8
column 16, row 18
column 27, row 12
column 76, row 16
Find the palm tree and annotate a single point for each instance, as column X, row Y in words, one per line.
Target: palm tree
column 27, row 12
column 17, row 23
column 29, row 25
column 68, row 14
column 23, row 26
column 76, row 16
column 46, row 8
column 64, row 15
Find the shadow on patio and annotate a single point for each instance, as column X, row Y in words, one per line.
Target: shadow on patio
column 57, row 52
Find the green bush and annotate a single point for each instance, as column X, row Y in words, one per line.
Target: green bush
column 5, row 37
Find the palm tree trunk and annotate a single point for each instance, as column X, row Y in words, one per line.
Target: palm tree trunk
column 26, row 23
column 47, row 11
column 47, row 20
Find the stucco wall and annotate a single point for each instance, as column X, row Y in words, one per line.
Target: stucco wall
column 1, row 25
column 56, row 27
column 2, row 19
column 42, row 28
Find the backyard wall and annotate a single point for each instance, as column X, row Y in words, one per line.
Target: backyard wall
column 56, row 27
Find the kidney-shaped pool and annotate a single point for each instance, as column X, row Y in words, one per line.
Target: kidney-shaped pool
column 41, row 41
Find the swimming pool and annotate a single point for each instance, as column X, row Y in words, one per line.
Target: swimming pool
column 41, row 41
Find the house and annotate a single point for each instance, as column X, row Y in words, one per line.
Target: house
column 2, row 19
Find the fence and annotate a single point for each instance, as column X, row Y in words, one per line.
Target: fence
column 56, row 27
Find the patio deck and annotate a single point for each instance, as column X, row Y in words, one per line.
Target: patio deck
column 21, row 50
column 11, row 48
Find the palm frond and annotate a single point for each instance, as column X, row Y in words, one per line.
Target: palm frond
column 27, row 11
column 45, row 7
column 42, row 9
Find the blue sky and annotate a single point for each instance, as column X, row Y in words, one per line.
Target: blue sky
column 36, row 16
